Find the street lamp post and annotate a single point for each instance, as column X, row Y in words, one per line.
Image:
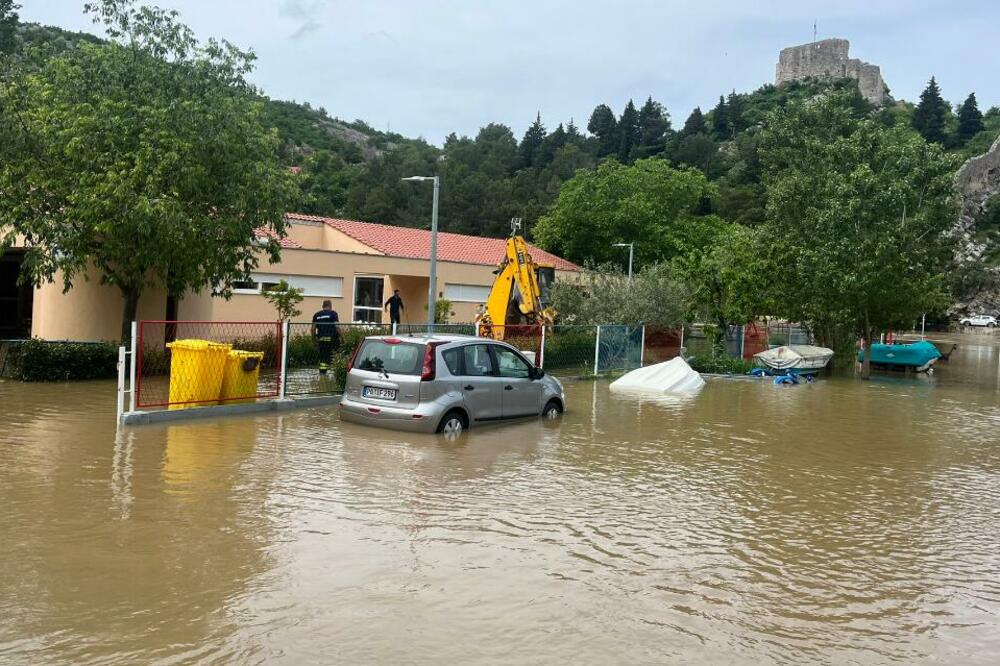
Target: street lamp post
column 432, row 287
column 631, row 250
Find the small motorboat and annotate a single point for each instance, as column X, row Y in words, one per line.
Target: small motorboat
column 918, row 356
column 794, row 359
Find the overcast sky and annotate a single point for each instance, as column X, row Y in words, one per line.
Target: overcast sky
column 427, row 68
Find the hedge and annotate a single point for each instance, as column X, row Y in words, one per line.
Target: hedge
column 48, row 361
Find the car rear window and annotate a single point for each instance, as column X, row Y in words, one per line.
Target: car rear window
column 400, row 358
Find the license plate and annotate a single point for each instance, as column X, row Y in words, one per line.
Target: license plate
column 378, row 393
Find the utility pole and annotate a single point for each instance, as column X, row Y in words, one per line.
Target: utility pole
column 432, row 286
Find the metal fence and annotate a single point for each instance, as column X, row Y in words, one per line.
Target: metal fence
column 190, row 363
column 223, row 362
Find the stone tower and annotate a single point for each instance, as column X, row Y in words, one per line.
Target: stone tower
column 828, row 59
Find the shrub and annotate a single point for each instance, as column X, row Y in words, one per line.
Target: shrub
column 720, row 364
column 43, row 360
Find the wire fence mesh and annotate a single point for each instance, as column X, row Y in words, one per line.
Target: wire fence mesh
column 181, row 364
column 192, row 363
column 318, row 355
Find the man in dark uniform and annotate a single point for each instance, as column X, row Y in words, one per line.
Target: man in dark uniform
column 325, row 332
column 394, row 305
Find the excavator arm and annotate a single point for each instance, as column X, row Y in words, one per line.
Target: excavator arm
column 517, row 296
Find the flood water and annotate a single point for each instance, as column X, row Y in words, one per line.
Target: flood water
column 836, row 522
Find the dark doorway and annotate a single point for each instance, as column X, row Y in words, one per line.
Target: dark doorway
column 15, row 300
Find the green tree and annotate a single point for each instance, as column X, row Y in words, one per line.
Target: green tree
column 532, row 142
column 970, row 119
column 720, row 120
column 285, row 299
column 858, row 219
column 628, row 133
column 604, row 126
column 653, row 296
column 648, row 203
column 930, row 116
column 695, row 124
column 734, row 114
column 654, row 130
column 144, row 158
column 8, row 24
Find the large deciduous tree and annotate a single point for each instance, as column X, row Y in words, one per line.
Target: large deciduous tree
column 648, row 203
column 858, row 219
column 144, row 157
column 8, row 22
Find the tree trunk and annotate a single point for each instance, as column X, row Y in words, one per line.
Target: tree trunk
column 129, row 310
column 866, row 352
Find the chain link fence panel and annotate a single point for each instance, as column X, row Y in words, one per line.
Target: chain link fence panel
column 182, row 364
column 308, row 354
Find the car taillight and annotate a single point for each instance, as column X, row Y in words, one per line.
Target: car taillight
column 430, row 362
column 354, row 356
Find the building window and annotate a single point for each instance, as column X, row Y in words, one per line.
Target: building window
column 327, row 287
column 466, row 293
column 368, row 299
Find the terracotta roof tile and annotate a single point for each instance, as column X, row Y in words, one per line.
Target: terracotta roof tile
column 283, row 242
column 416, row 243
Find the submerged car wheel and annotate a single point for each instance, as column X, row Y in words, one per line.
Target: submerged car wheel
column 453, row 425
column 552, row 410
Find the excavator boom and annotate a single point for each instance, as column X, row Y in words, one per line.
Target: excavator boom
column 517, row 296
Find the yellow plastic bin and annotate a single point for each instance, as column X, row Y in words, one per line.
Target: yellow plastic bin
column 196, row 369
column 239, row 381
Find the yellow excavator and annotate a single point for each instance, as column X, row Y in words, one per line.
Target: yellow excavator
column 520, row 293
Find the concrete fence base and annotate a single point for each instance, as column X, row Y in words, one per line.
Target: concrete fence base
column 264, row 406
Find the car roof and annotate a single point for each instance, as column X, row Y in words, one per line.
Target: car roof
column 426, row 337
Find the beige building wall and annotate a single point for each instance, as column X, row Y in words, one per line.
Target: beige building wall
column 90, row 311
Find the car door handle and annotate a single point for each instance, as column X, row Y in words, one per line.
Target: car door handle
column 469, row 387
column 508, row 388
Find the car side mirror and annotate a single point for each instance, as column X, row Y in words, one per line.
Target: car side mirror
column 537, row 373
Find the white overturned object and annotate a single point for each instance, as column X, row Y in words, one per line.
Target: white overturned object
column 673, row 376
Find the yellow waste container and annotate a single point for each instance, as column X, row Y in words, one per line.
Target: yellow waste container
column 239, row 381
column 196, row 368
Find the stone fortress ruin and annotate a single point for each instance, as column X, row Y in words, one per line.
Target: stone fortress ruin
column 828, row 59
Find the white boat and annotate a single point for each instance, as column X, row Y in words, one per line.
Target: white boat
column 795, row 359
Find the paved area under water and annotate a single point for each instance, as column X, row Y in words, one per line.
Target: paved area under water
column 836, row 522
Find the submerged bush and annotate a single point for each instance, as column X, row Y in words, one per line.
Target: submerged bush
column 44, row 360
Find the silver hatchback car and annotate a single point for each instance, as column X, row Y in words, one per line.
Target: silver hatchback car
column 444, row 383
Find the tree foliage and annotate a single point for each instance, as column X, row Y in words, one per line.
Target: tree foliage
column 649, row 203
column 858, row 219
column 930, row 116
column 970, row 119
column 603, row 295
column 144, row 157
column 285, row 299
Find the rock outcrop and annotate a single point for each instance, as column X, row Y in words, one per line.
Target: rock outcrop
column 829, row 59
column 978, row 181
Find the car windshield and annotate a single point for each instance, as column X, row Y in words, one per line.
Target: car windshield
column 399, row 358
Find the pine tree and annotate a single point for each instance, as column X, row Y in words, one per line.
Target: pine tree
column 654, row 130
column 531, row 143
column 550, row 146
column 695, row 124
column 970, row 119
column 573, row 135
column 720, row 119
column 628, row 132
column 734, row 114
column 604, row 126
column 929, row 116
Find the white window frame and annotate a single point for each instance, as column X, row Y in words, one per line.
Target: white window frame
column 354, row 299
column 450, row 287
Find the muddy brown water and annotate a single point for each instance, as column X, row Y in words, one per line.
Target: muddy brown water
column 837, row 522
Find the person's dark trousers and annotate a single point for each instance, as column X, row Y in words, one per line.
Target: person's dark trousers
column 325, row 353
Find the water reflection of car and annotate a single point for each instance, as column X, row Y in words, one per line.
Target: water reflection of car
column 445, row 383
column 979, row 320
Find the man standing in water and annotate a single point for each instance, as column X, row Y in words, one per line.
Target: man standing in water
column 394, row 305
column 327, row 337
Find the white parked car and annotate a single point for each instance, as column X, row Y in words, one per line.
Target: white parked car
column 978, row 320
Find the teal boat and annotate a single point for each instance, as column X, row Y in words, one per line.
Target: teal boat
column 918, row 356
